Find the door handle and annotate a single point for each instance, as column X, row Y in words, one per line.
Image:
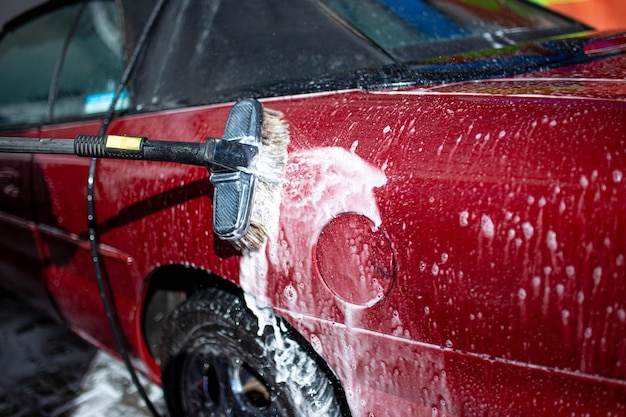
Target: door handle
column 10, row 182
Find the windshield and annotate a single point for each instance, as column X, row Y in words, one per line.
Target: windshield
column 416, row 29
column 216, row 51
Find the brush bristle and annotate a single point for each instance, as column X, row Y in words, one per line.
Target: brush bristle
column 269, row 171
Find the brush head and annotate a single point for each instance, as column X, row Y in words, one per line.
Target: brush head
column 269, row 171
column 234, row 185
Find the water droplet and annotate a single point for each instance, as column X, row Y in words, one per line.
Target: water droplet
column 551, row 240
column 560, row 289
column 617, row 176
column 528, row 230
column 290, row 293
column 463, row 218
column 584, row 181
column 511, row 234
column 487, row 227
column 597, row 275
column 565, row 316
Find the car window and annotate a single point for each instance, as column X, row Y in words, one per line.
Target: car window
column 92, row 64
column 216, row 51
column 61, row 64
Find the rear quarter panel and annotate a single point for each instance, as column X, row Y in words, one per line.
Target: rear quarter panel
column 504, row 216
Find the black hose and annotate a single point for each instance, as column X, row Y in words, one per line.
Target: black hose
column 104, row 285
column 37, row 145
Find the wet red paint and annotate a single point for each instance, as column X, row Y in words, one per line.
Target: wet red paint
column 606, row 46
column 503, row 203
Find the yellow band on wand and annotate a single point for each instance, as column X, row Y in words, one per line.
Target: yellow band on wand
column 127, row 143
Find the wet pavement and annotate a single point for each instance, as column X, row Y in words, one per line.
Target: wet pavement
column 46, row 370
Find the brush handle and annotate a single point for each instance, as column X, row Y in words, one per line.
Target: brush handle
column 231, row 155
column 139, row 148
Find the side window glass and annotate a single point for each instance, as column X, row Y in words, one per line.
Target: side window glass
column 92, row 65
column 61, row 65
column 28, row 58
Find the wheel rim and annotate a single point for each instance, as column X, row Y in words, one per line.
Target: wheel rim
column 216, row 384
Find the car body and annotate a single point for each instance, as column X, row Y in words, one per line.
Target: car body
column 451, row 231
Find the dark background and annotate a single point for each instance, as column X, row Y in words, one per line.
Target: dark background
column 48, row 371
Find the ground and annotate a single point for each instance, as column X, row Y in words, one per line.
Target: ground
column 49, row 371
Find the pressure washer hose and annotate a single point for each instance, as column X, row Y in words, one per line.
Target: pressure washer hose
column 104, row 285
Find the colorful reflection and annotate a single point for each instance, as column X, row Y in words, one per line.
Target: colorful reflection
column 600, row 14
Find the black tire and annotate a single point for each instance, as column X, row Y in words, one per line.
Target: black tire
column 216, row 362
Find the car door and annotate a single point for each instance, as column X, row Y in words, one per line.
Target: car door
column 30, row 50
column 60, row 66
column 85, row 86
column 21, row 255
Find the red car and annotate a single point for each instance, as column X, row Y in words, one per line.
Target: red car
column 449, row 234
